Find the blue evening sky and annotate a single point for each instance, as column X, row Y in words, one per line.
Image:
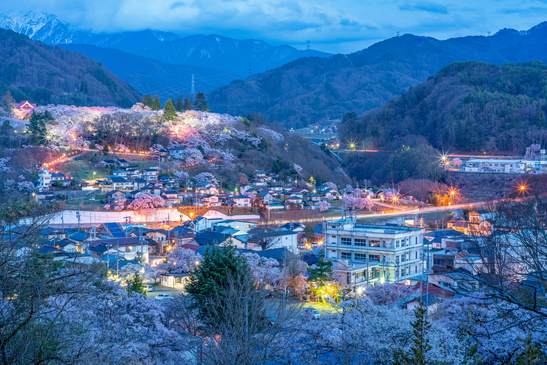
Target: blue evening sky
column 331, row 25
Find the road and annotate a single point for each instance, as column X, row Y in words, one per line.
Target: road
column 362, row 215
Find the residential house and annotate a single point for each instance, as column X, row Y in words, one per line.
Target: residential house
column 459, row 280
column 128, row 248
column 108, row 163
column 170, row 196
column 150, row 175
column 115, row 195
column 209, row 200
column 51, row 233
column 112, row 229
column 44, row 179
column 64, row 245
column 133, row 173
column 312, row 199
column 120, row 173
column 122, row 162
column 206, row 188
column 177, row 153
column 275, row 238
column 241, row 201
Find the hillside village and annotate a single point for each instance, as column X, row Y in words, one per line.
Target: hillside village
column 140, row 229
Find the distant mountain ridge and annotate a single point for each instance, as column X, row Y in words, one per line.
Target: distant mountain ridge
column 213, row 51
column 151, row 76
column 314, row 89
column 48, row 74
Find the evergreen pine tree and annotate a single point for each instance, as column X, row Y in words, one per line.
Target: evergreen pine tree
column 37, row 127
column 201, row 102
column 188, row 105
column 147, row 100
column 169, row 112
column 7, row 101
column 211, row 278
column 420, row 341
column 156, row 105
column 179, row 106
column 320, row 276
column 136, row 285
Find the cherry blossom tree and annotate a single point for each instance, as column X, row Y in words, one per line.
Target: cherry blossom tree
column 456, row 162
column 181, row 260
column 146, row 203
column 155, row 151
column 25, row 186
column 107, row 207
column 390, row 294
column 120, row 204
column 265, row 270
column 331, row 185
column 297, row 168
column 206, row 177
column 324, row 205
column 180, row 176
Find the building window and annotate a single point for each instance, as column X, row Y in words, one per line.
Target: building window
column 374, row 257
column 397, row 244
column 360, row 241
column 374, row 243
column 360, row 256
column 345, row 240
column 345, row 255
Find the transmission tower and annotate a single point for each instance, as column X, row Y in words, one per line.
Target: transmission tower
column 250, row 69
column 307, row 45
column 193, row 92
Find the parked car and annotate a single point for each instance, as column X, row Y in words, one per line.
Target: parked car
column 149, row 288
column 162, row 297
column 313, row 313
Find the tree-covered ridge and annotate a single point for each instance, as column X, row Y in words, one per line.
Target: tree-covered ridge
column 51, row 75
column 468, row 106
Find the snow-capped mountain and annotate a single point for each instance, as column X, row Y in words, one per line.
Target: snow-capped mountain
column 48, row 28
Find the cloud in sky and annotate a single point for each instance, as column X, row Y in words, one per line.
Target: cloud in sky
column 330, row 25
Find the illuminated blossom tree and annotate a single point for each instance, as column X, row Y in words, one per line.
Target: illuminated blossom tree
column 147, row 203
column 331, row 185
column 456, row 162
column 206, row 177
column 265, row 270
column 181, row 260
column 297, row 168
column 324, row 205
column 120, row 205
column 390, row 294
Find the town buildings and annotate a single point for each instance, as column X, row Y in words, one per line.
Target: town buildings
column 367, row 254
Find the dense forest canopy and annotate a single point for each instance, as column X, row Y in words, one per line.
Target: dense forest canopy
column 51, row 75
column 467, row 106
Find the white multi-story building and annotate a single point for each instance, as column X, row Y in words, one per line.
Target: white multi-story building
column 367, row 254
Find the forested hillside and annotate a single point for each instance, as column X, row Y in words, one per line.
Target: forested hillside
column 468, row 106
column 47, row 74
column 313, row 89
